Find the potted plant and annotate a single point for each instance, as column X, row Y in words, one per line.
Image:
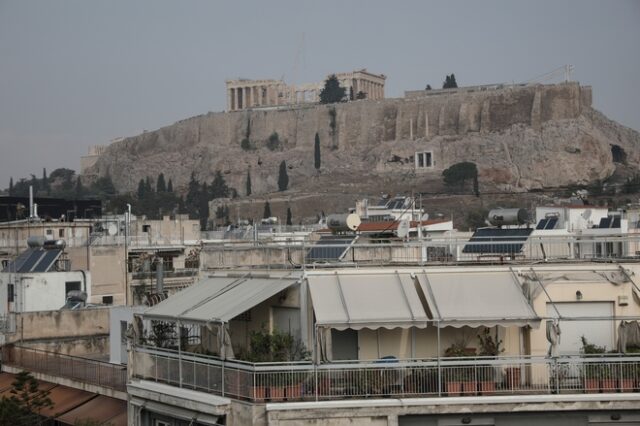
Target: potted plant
column 592, row 371
column 486, row 373
column 459, row 379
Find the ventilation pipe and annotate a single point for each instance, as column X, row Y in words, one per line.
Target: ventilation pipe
column 30, row 201
column 159, row 275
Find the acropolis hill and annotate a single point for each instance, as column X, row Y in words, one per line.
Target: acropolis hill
column 520, row 137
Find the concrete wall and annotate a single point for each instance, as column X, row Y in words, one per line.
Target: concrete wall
column 39, row 291
column 118, row 314
column 108, row 268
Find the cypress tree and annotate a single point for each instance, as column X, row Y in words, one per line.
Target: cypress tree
column 79, row 187
column 289, row 216
column 248, row 185
column 170, row 186
column 161, row 186
column 148, row 185
column 141, row 189
column 283, row 177
column 316, row 152
column 11, row 186
column 267, row 210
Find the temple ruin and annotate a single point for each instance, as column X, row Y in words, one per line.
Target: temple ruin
column 244, row 93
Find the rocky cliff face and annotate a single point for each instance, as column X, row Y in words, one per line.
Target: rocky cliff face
column 521, row 138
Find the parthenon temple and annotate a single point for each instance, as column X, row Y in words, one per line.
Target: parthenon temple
column 244, row 94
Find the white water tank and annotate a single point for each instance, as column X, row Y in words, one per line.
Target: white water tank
column 500, row 217
column 343, row 222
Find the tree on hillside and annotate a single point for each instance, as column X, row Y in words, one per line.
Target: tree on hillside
column 104, row 186
column 460, row 173
column 161, row 186
column 219, row 188
column 428, row 87
column 289, row 216
column 141, row 189
column 79, row 188
column 148, row 185
column 361, row 95
column 266, row 214
column 170, row 186
column 332, row 91
column 316, row 152
column 450, row 82
column 248, row 183
column 283, row 177
column 46, row 186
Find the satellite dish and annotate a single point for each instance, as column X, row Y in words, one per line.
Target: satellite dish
column 425, row 217
column 112, row 229
column 586, row 214
column 403, row 229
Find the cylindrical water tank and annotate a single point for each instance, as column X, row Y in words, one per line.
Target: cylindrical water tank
column 500, row 217
column 343, row 222
column 54, row 244
column 35, row 241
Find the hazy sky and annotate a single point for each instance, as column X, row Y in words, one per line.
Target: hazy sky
column 79, row 73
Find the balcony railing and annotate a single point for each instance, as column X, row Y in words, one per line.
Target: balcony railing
column 389, row 377
column 71, row 367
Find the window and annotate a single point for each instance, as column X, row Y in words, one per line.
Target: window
column 71, row 286
column 424, row 160
column 10, row 293
column 107, row 300
column 146, row 228
column 49, row 232
column 60, row 233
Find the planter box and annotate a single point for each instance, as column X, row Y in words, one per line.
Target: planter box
column 591, row 385
column 627, row 385
column 294, row 392
column 487, row 388
column 258, row 393
column 454, row 388
column 469, row 388
column 512, row 378
column 608, row 385
column 276, row 393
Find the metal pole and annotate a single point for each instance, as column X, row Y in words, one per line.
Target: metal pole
column 179, row 355
column 439, row 369
column 222, row 354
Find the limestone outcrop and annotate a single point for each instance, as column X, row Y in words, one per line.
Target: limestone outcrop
column 521, row 138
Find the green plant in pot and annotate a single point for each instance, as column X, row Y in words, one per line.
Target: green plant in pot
column 459, row 379
column 592, row 372
column 489, row 346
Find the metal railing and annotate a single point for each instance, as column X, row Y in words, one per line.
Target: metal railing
column 84, row 370
column 389, row 378
column 434, row 251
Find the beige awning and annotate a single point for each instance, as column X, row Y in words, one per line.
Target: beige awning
column 348, row 300
column 220, row 298
column 475, row 299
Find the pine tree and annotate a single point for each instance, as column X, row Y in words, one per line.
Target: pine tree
column 148, row 185
column 248, row 184
column 161, row 186
column 289, row 216
column 283, row 177
column 453, row 82
column 316, row 152
column 170, row 186
column 267, row 210
column 141, row 189
column 11, row 186
column 219, row 188
column 332, row 91
column 79, row 187
column 45, row 181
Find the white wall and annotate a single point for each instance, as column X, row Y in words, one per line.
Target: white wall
column 117, row 314
column 39, row 291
